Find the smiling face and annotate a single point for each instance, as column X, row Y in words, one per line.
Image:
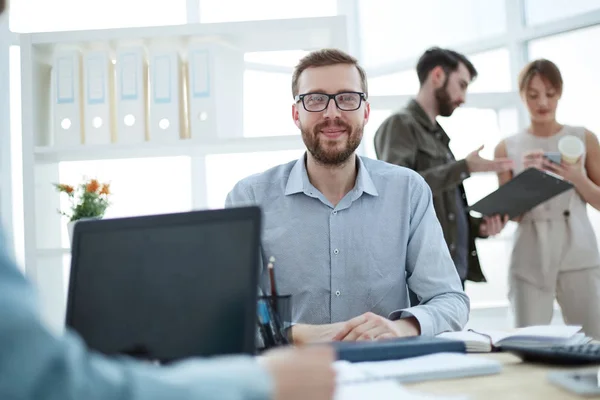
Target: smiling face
column 541, row 98
column 331, row 136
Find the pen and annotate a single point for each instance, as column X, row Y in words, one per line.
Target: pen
column 271, row 269
column 265, row 324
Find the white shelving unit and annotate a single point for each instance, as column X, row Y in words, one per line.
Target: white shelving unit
column 44, row 253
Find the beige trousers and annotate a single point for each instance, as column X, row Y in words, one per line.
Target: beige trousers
column 577, row 293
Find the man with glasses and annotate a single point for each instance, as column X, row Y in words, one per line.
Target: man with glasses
column 350, row 234
column 36, row 364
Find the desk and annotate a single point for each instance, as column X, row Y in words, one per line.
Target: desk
column 517, row 381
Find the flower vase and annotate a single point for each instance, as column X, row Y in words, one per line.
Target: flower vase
column 71, row 227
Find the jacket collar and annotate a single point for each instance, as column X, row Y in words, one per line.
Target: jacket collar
column 421, row 116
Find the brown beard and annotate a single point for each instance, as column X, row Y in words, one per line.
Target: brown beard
column 445, row 105
column 314, row 145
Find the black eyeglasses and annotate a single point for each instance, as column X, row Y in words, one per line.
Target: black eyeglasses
column 345, row 101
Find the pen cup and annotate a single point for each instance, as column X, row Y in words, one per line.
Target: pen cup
column 274, row 320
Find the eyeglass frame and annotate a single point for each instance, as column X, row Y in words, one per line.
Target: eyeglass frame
column 300, row 97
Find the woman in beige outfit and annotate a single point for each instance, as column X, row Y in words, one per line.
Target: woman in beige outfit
column 555, row 254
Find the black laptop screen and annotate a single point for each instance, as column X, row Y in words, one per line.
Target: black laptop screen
column 167, row 287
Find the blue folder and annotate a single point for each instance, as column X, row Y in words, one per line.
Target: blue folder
column 396, row 349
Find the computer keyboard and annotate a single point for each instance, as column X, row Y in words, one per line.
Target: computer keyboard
column 588, row 353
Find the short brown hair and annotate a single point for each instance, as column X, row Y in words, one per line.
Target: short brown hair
column 324, row 58
column 546, row 69
column 448, row 59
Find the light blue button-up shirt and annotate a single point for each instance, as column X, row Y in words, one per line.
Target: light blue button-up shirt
column 341, row 261
column 36, row 365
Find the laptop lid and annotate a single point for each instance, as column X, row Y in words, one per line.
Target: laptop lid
column 167, row 287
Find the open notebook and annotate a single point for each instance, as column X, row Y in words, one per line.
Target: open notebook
column 485, row 341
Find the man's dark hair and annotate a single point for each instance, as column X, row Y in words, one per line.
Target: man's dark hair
column 449, row 60
column 2, row 6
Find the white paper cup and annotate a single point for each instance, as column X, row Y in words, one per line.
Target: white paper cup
column 571, row 149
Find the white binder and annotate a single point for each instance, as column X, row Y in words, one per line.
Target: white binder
column 166, row 100
column 98, row 109
column 131, row 94
column 66, row 92
column 215, row 90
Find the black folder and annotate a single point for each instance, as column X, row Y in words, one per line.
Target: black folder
column 396, row 349
column 522, row 193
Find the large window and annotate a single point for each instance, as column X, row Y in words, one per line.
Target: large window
column 493, row 71
column 577, row 56
column 66, row 15
column 394, row 30
column 397, row 83
column 541, row 11
column 243, row 10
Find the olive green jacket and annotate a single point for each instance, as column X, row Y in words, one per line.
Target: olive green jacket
column 409, row 139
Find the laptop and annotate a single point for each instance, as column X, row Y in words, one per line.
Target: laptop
column 167, row 287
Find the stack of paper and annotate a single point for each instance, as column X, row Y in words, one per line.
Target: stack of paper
column 430, row 367
column 552, row 335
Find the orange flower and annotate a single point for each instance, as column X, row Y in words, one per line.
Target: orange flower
column 105, row 189
column 65, row 188
column 93, row 186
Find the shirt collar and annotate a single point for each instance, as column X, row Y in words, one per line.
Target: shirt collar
column 298, row 180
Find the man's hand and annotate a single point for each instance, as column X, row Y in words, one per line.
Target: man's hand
column 302, row 333
column 303, row 373
column 476, row 163
column 492, row 225
column 371, row 326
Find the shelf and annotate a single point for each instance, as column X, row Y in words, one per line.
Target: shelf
column 184, row 147
column 266, row 35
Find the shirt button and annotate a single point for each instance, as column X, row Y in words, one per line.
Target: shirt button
column 338, row 293
column 451, row 217
column 452, row 247
column 473, row 253
column 567, row 213
column 334, row 212
column 463, row 175
column 336, row 251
